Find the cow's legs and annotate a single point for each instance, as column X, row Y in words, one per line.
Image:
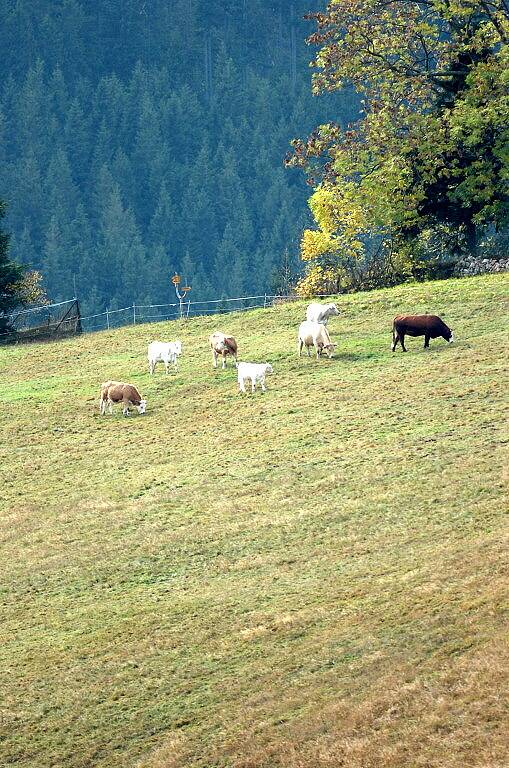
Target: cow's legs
column 151, row 367
column 262, row 382
column 110, row 407
column 125, row 409
column 300, row 344
column 167, row 366
column 317, row 351
column 253, row 384
column 395, row 339
column 102, row 406
column 214, row 358
column 242, row 387
column 402, row 341
column 426, row 341
column 224, row 361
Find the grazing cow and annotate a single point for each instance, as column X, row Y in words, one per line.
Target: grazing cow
column 254, row 372
column 164, row 352
column 315, row 335
column 429, row 326
column 320, row 313
column 223, row 345
column 118, row 392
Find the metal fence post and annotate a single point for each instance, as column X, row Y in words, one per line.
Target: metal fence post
column 265, row 301
column 108, row 319
column 134, row 314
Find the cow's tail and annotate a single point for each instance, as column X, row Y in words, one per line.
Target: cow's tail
column 394, row 336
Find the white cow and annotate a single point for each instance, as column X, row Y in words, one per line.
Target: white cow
column 320, row 313
column 165, row 352
column 315, row 335
column 254, row 372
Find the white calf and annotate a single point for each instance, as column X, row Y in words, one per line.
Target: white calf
column 163, row 352
column 254, row 372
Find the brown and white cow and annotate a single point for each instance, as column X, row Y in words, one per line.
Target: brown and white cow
column 429, row 326
column 223, row 345
column 119, row 392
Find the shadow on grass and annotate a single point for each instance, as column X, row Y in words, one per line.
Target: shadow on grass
column 354, row 357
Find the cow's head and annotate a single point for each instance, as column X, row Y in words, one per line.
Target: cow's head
column 449, row 336
column 327, row 348
column 333, row 310
column 177, row 344
column 268, row 368
column 142, row 407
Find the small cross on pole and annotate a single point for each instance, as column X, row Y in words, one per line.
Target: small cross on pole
column 181, row 294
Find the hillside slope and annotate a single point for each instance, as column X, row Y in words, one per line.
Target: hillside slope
column 311, row 577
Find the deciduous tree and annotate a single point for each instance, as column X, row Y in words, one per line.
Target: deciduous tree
column 429, row 157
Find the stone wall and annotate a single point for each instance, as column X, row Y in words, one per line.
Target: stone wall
column 472, row 265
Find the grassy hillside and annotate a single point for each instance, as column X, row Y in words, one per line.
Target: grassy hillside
column 309, row 578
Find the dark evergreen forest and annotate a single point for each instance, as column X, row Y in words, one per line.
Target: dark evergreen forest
column 139, row 138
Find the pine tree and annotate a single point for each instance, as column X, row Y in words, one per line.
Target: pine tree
column 194, row 276
column 22, row 248
column 164, row 219
column 10, row 274
column 32, row 113
column 120, row 250
column 55, row 266
column 230, row 265
column 59, row 187
column 26, row 201
column 190, row 127
column 76, row 140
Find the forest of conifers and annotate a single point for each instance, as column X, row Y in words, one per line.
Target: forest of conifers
column 139, row 138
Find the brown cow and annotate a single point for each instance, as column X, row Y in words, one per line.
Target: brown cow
column 429, row 326
column 223, row 345
column 118, row 392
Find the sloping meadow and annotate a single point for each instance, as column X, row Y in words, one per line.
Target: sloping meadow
column 309, row 577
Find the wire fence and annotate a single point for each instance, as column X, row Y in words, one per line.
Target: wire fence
column 55, row 316
column 150, row 313
column 50, row 318
column 42, row 323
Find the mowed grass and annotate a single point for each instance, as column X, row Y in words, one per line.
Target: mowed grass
column 311, row 578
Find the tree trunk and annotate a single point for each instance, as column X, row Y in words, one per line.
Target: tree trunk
column 471, row 238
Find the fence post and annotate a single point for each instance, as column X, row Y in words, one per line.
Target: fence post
column 265, row 301
column 108, row 319
column 188, row 307
column 134, row 313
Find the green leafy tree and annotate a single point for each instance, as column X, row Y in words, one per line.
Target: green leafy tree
column 429, row 159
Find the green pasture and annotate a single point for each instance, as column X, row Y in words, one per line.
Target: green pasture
column 310, row 578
